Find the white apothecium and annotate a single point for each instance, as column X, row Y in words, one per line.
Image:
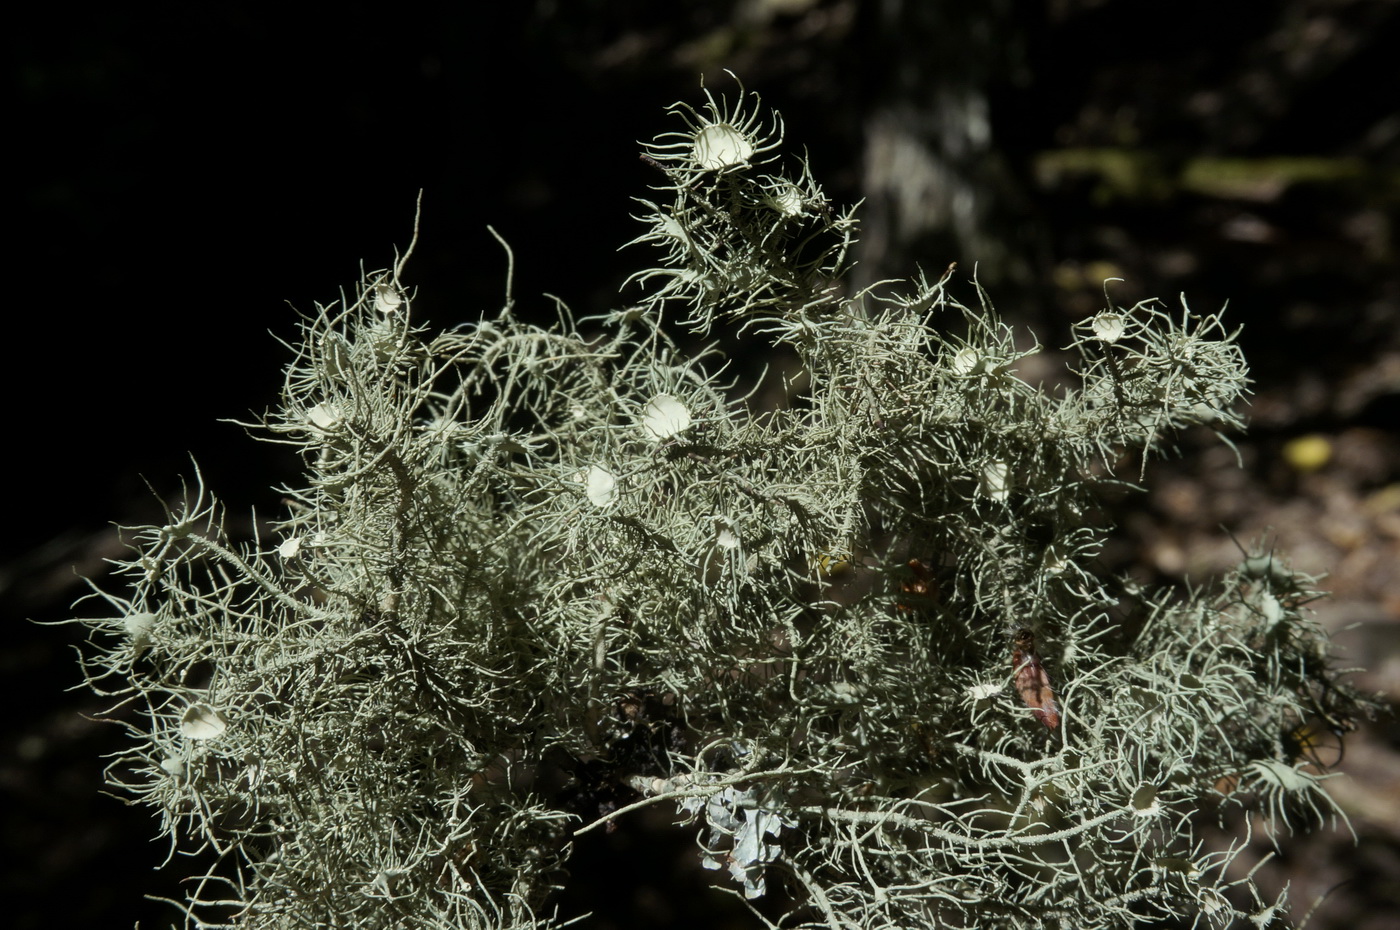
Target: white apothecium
column 202, row 722
column 599, row 484
column 664, row 417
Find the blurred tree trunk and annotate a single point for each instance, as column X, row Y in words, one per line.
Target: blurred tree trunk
column 936, row 185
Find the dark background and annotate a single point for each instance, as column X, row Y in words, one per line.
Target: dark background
column 180, row 173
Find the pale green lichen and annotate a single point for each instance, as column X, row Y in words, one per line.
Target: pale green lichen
column 535, row 578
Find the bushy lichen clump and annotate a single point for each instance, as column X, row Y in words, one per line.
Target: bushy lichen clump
column 538, row 576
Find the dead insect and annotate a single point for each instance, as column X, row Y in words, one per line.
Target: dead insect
column 1032, row 681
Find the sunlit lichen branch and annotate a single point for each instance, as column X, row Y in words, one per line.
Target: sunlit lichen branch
column 536, row 578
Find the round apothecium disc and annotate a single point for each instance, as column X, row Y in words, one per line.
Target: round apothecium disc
column 664, row 417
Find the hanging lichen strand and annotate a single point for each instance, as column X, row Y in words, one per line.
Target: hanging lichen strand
column 535, row 578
